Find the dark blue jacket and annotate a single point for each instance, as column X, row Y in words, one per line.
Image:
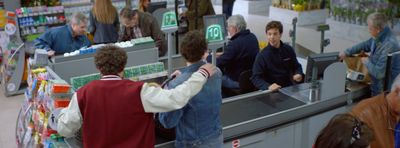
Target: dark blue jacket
column 239, row 54
column 60, row 40
column 275, row 65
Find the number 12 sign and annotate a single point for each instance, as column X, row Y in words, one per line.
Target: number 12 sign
column 214, row 33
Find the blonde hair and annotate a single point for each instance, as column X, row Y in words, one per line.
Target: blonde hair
column 104, row 11
column 142, row 8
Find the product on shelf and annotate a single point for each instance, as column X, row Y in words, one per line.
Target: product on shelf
column 33, row 21
column 36, row 122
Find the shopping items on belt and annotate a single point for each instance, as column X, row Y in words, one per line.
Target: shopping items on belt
column 356, row 69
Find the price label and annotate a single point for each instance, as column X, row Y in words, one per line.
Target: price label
column 214, row 33
column 169, row 20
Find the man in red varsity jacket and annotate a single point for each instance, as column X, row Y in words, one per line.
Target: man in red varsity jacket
column 115, row 112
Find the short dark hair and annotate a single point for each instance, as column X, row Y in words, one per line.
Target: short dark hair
column 110, row 60
column 193, row 46
column 128, row 13
column 274, row 25
column 339, row 133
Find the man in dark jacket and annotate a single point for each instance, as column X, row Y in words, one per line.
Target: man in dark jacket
column 276, row 65
column 227, row 7
column 239, row 54
column 137, row 24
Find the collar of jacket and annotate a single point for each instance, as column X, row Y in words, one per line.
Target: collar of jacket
column 194, row 66
column 383, row 34
column 274, row 49
column 243, row 32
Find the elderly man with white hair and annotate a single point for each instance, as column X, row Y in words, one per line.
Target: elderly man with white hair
column 382, row 43
column 382, row 113
column 67, row 38
column 239, row 54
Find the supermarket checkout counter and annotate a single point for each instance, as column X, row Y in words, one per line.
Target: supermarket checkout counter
column 67, row 67
column 279, row 119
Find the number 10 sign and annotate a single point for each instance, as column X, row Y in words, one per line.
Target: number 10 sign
column 214, row 33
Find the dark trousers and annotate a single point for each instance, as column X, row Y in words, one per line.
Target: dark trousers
column 227, row 9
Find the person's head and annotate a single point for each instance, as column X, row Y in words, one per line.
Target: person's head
column 193, row 46
column 78, row 23
column 344, row 131
column 376, row 23
column 236, row 23
column 129, row 17
column 110, row 60
column 394, row 96
column 104, row 12
column 274, row 31
column 143, row 5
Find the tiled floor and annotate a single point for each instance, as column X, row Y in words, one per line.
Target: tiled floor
column 9, row 108
column 306, row 37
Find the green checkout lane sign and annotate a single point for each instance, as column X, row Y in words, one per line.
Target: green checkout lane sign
column 169, row 20
column 214, row 33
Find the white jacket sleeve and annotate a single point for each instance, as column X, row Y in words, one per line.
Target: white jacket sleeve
column 156, row 99
column 70, row 119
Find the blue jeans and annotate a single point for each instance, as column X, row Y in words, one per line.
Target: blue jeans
column 216, row 142
column 227, row 9
column 229, row 83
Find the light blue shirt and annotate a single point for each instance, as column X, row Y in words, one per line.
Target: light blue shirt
column 379, row 48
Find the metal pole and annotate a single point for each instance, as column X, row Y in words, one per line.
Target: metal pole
column 293, row 33
column 177, row 31
column 322, row 41
column 214, row 57
column 170, row 53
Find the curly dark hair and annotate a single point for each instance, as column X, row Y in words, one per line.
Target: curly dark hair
column 274, row 25
column 110, row 60
column 339, row 133
column 193, row 46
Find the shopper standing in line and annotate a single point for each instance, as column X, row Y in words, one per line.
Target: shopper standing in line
column 382, row 42
column 104, row 22
column 67, row 38
column 227, row 7
column 344, row 131
column 382, row 113
column 197, row 124
column 117, row 112
column 136, row 24
column 239, row 54
column 143, row 5
column 196, row 10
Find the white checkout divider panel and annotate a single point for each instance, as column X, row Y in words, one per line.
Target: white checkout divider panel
column 72, row 66
column 135, row 73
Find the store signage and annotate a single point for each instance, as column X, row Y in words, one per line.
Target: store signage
column 236, row 143
column 214, row 33
column 169, row 20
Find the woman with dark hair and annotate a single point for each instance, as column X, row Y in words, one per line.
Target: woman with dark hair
column 103, row 22
column 344, row 131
